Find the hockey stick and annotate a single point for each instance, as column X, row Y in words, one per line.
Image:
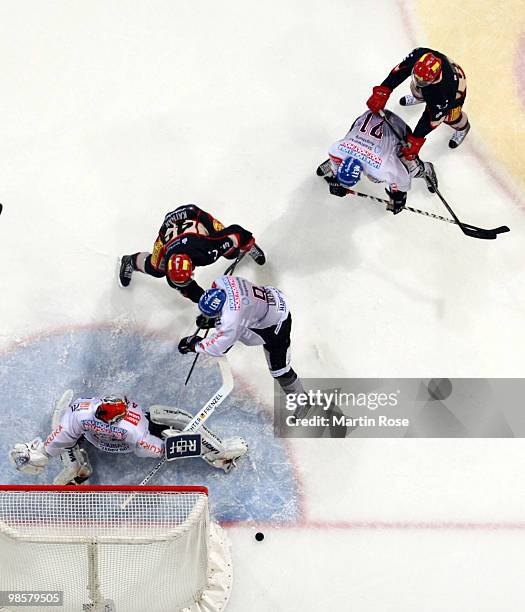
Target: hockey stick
column 199, row 419
column 466, row 228
column 414, row 210
column 217, row 399
column 229, row 270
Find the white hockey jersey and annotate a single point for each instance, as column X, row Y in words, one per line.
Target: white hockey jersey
column 129, row 435
column 374, row 144
column 247, row 307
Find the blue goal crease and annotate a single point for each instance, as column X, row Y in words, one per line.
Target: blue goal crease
column 263, row 487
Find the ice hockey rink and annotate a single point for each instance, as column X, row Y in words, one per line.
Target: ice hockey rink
column 114, row 113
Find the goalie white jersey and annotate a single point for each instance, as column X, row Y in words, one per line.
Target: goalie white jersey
column 371, row 141
column 247, row 307
column 129, row 435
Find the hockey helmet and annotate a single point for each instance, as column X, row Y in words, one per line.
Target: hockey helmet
column 179, row 270
column 349, row 172
column 112, row 409
column 212, row 302
column 426, row 70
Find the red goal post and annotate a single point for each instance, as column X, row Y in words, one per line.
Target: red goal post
column 114, row 548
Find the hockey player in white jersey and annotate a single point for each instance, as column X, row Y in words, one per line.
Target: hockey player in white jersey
column 256, row 315
column 114, row 425
column 371, row 149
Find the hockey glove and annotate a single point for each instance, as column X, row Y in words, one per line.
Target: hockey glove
column 338, row 190
column 379, row 98
column 247, row 245
column 204, row 322
column 398, row 199
column 30, row 457
column 187, row 344
column 412, row 148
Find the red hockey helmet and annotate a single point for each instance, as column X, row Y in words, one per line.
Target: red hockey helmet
column 426, row 70
column 112, row 409
column 179, row 270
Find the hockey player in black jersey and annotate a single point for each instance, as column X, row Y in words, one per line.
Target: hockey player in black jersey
column 436, row 81
column 189, row 237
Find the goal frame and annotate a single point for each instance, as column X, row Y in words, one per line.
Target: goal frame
column 216, row 593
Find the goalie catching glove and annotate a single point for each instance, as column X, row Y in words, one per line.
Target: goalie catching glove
column 29, row 457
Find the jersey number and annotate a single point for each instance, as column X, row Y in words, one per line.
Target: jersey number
column 375, row 130
column 179, row 227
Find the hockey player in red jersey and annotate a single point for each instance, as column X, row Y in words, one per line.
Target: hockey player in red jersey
column 436, row 81
column 189, row 237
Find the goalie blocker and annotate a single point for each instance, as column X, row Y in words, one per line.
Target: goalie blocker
column 180, row 444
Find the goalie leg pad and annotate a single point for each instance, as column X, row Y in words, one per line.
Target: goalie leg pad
column 232, row 450
column 218, row 453
column 76, row 467
column 177, row 420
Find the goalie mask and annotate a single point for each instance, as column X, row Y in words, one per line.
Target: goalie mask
column 112, row 409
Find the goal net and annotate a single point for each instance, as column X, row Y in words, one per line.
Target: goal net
column 112, row 549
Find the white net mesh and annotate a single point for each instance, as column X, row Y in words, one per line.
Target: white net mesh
column 144, row 550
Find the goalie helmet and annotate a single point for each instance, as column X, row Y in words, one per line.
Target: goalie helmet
column 179, row 270
column 112, row 409
column 426, row 70
column 212, row 302
column 349, row 172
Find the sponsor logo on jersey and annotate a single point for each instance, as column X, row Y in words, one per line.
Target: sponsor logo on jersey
column 232, row 294
column 99, row 427
column 116, row 447
column 363, row 155
column 211, row 341
column 133, row 417
column 82, row 405
column 151, row 447
column 53, row 435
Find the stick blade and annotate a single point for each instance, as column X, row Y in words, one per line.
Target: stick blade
column 483, row 234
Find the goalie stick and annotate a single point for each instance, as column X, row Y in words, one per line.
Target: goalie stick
column 467, row 229
column 200, row 418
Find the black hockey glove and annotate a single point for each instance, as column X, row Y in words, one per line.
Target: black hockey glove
column 398, row 199
column 187, row 344
column 338, row 190
column 204, row 322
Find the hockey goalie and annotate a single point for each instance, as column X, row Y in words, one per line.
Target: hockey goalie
column 115, row 424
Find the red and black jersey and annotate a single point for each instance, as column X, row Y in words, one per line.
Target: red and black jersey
column 205, row 250
column 440, row 97
column 191, row 231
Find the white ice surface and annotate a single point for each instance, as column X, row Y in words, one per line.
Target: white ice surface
column 115, row 112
